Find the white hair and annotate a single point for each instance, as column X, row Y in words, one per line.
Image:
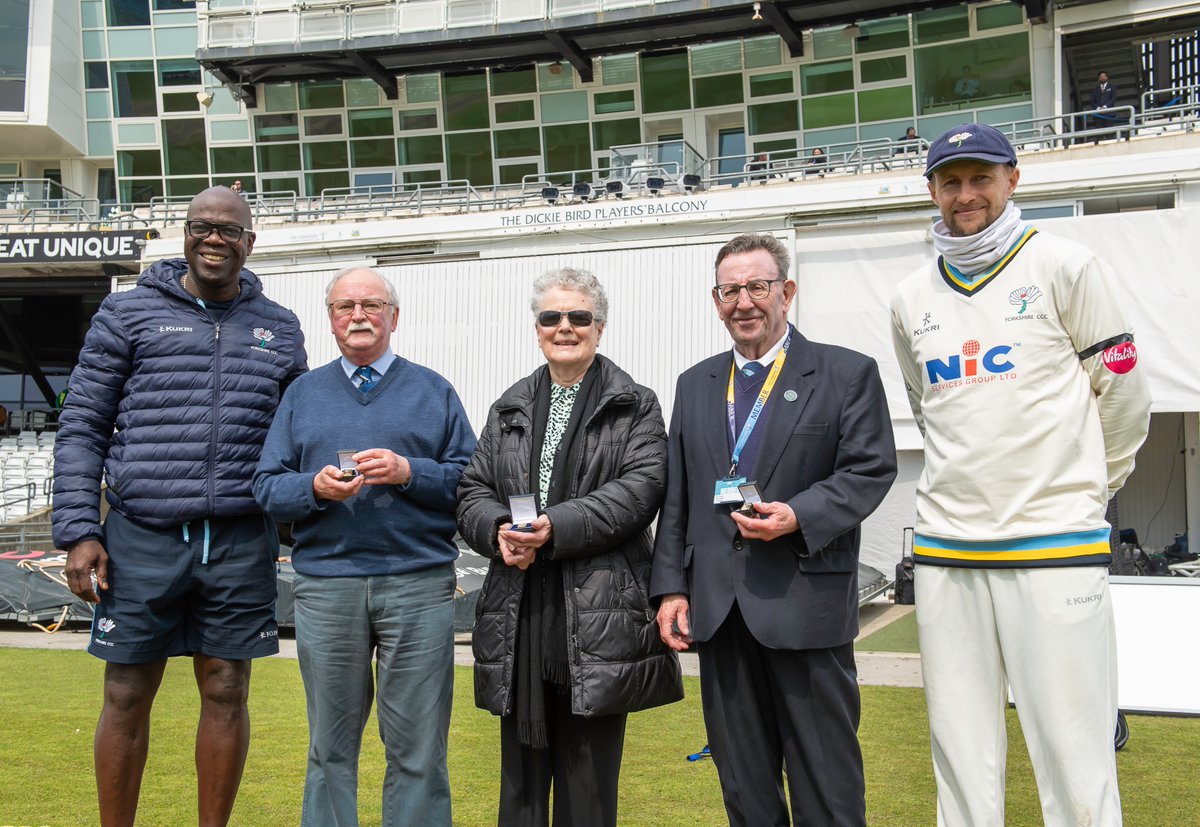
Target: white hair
column 391, row 290
column 569, row 278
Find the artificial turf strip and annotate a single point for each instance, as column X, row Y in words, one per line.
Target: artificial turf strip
column 49, row 701
column 898, row 636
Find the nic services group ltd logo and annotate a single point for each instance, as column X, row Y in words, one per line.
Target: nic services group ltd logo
column 973, row 366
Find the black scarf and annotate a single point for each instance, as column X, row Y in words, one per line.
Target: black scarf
column 541, row 645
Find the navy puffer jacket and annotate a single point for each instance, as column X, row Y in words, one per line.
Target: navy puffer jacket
column 191, row 401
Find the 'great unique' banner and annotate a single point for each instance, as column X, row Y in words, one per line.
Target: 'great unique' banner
column 100, row 245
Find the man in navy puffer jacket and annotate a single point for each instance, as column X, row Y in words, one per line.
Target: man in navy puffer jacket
column 188, row 368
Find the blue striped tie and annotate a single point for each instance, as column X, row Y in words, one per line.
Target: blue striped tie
column 368, row 378
column 751, row 368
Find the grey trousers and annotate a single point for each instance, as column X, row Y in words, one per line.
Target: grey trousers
column 404, row 621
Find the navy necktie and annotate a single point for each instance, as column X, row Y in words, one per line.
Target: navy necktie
column 368, row 380
column 751, row 368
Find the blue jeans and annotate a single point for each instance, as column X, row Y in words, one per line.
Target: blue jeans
column 406, row 622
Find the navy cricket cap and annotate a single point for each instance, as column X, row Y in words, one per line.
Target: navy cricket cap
column 973, row 141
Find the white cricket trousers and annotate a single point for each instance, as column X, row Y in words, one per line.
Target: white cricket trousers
column 1050, row 634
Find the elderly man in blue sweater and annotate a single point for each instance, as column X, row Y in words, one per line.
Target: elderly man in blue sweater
column 374, row 556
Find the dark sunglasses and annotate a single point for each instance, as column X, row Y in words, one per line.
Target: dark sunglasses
column 575, row 318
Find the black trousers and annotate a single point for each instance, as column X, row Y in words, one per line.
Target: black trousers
column 582, row 765
column 767, row 710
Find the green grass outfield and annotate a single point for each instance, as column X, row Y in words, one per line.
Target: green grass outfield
column 49, row 702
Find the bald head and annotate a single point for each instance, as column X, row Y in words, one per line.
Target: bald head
column 223, row 199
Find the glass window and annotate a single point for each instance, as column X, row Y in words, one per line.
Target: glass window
column 128, row 12
column 829, row 110
column 179, row 187
column 238, row 130
column 138, row 163
column 269, row 128
column 556, row 77
column 278, row 157
column 881, row 35
column 99, row 105
column 998, row 16
column 178, row 73
column 979, row 72
column 95, row 75
column 421, row 149
column 778, row 149
column 607, row 134
column 280, row 97
column 465, row 101
column 715, row 58
column 184, row 148
column 819, row 78
column 762, row 51
column 567, row 147
column 91, row 14
column 423, row 176
column 411, row 119
column 326, row 155
column 518, row 81
column 618, row 69
column 370, row 123
column 422, row 88
column 180, row 102
column 665, row 82
column 605, row 103
column 14, row 54
column 938, row 25
column 322, row 125
column 362, row 92
column 174, row 5
column 883, row 68
column 885, row 104
column 775, row 83
column 373, row 152
column 322, row 94
column 469, row 156
column 233, row 159
column 514, row 111
column 135, row 191
column 517, row 143
column 281, row 185
column 317, row 182
column 564, row 106
column 513, row 173
column 718, row 90
column 780, row 116
column 832, row 42
column 133, row 89
column 106, row 186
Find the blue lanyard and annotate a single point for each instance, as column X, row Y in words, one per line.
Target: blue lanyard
column 756, row 411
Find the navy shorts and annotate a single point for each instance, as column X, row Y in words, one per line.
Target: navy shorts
column 164, row 599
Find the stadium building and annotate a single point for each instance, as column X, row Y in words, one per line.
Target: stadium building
column 464, row 146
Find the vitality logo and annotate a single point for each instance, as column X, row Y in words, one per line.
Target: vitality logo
column 969, row 367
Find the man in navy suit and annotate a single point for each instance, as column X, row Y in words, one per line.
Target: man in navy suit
column 770, row 597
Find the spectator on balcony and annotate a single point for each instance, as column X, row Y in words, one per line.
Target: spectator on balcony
column 967, row 86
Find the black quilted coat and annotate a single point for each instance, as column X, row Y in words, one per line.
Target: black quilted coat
column 601, row 534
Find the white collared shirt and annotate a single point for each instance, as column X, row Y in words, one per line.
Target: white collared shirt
column 767, row 358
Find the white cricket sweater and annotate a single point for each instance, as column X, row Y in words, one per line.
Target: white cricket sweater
column 1025, row 385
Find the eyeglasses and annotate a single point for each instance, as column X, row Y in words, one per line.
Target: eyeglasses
column 344, row 307
column 203, row 229
column 575, row 318
column 755, row 288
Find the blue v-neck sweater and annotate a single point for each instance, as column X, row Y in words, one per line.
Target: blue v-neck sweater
column 384, row 529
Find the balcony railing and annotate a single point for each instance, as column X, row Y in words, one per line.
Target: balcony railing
column 235, row 23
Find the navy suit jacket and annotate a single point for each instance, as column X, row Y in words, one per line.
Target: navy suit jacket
column 828, row 453
column 1104, row 98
